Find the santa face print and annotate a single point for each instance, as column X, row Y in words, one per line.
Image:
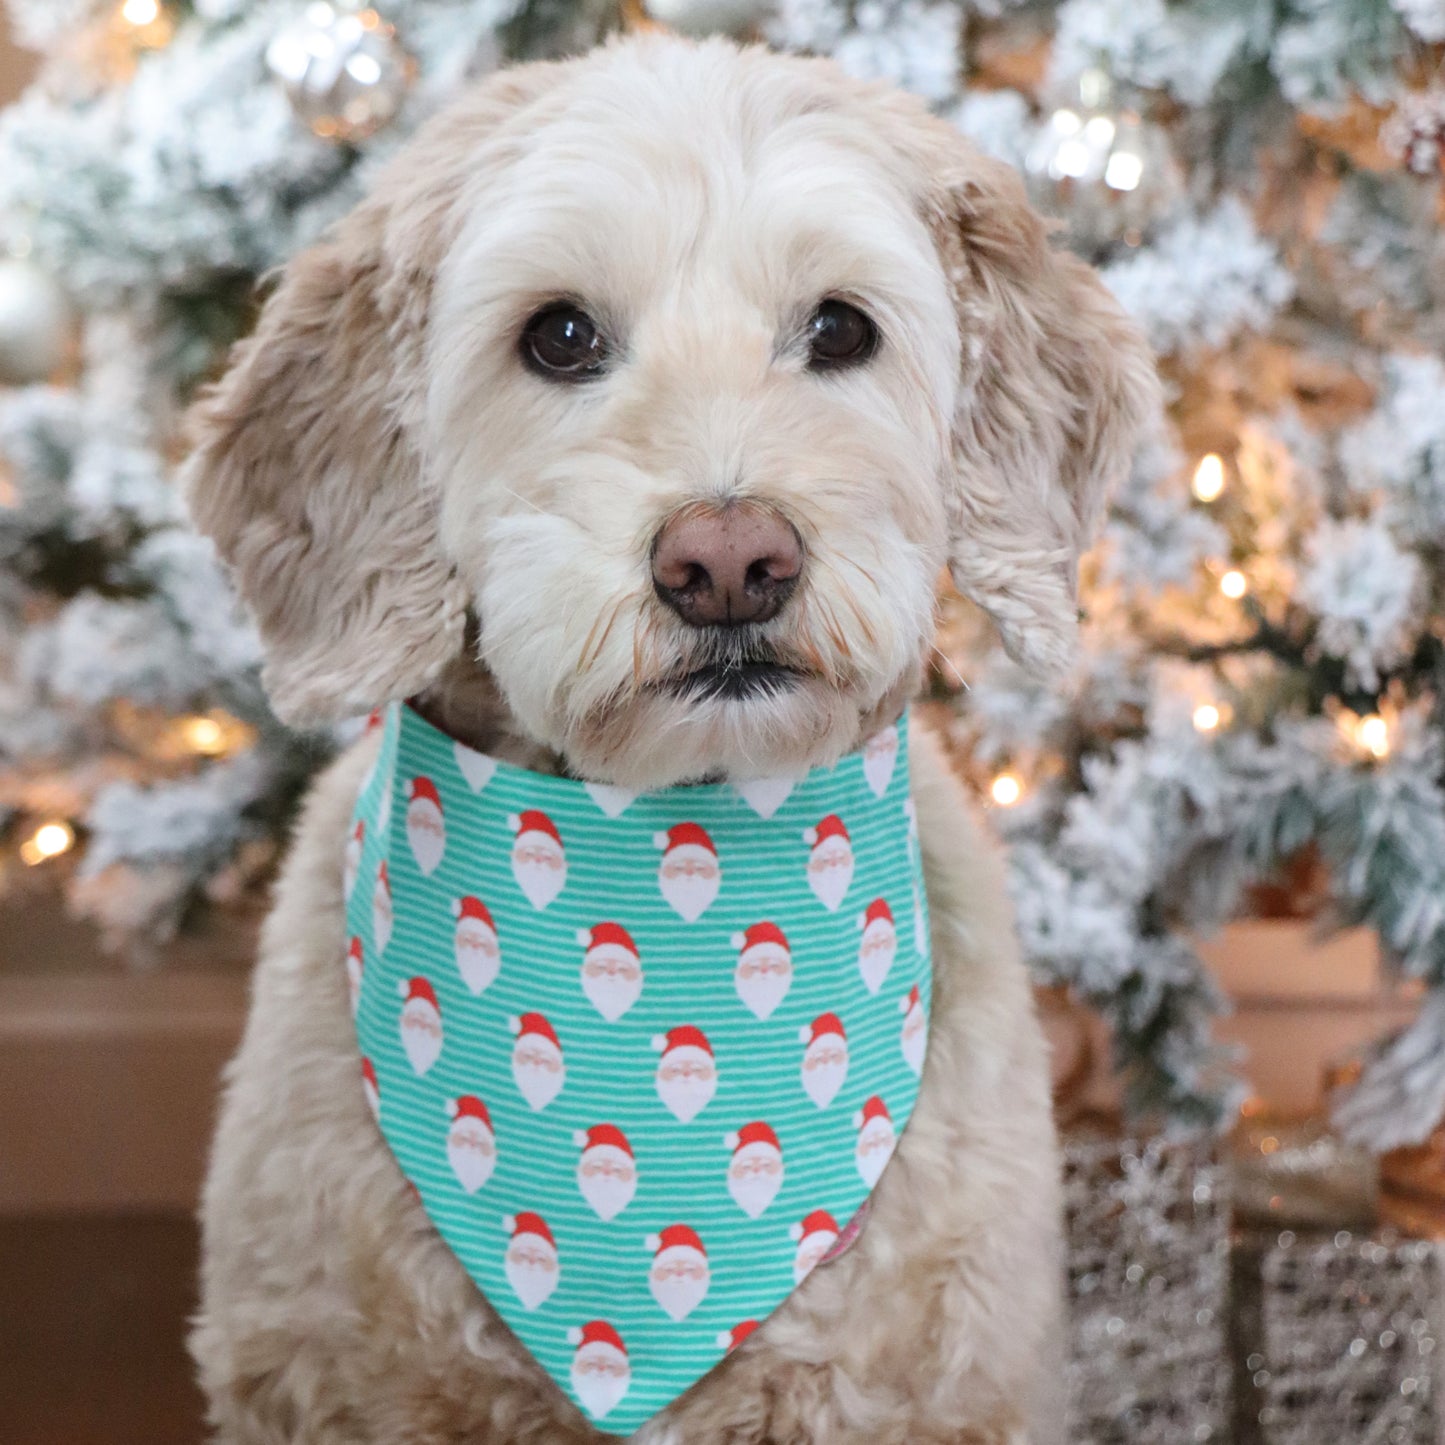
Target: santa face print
column 686, row 1082
column 479, row 955
column 351, row 860
column 370, row 1090
column 875, row 1148
column 689, row 878
column 830, row 871
column 611, row 979
column 876, row 951
column 539, row 866
column 755, row 1174
column 915, row 1037
column 355, row 968
column 471, row 1151
column 880, row 753
column 607, row 1177
column 477, row 768
column 825, row 1068
column 538, row 1069
column 763, row 976
column 532, row 1269
column 766, row 795
column 381, row 914
column 600, row 1377
column 678, row 1280
column 426, row 832
column 421, row 1034
column 812, row 1250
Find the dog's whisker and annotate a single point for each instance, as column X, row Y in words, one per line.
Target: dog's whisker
column 947, row 661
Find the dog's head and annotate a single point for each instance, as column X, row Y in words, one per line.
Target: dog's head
column 679, row 370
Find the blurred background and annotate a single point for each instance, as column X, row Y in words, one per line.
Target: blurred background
column 1227, row 831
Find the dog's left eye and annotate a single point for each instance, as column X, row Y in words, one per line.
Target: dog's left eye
column 563, row 342
column 839, row 335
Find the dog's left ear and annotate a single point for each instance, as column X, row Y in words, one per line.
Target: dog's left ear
column 1057, row 385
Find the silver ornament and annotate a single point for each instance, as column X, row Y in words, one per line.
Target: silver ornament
column 342, row 69
column 36, row 323
column 710, row 17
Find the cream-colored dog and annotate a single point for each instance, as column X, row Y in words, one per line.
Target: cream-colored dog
column 626, row 427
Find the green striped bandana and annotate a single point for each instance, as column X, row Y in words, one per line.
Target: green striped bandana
column 642, row 1056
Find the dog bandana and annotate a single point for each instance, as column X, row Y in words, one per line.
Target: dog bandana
column 643, row 1057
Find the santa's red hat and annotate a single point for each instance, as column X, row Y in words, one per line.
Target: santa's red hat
column 755, row 1133
column 818, row 1222
column 359, row 831
column 355, row 950
column 414, row 988
column 731, row 1339
column 878, row 909
column 685, row 1036
column 601, row 934
column 525, row 1222
column 823, row 1024
column 681, row 834
column 600, row 1134
column 907, row 1005
column 469, row 1107
column 425, row 788
column 368, row 1072
column 761, row 933
column 382, row 876
column 533, row 820
column 470, row 906
column 534, row 1024
column 596, row 1332
column 830, row 827
column 873, row 1108
column 673, row 1236
column 373, row 719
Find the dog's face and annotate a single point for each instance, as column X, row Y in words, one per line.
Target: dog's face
column 682, row 371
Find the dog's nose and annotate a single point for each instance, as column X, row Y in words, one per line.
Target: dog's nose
column 722, row 567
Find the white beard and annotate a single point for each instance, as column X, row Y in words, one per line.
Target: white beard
column 766, row 795
column 539, row 1086
column 761, row 994
column 915, row 1039
column 611, row 996
column 599, row 1394
column 871, row 1164
column 539, row 883
column 532, row 1284
column 350, row 866
column 613, row 801
column 690, row 897
column 423, row 1046
column 678, row 1297
column 753, row 1193
column 810, row 1254
column 830, row 885
column 686, row 1098
column 471, row 1164
column 874, row 963
column 606, row 1195
column 479, row 960
column 477, row 768
column 879, row 760
column 353, row 983
column 822, row 1084
column 427, row 834
column 381, row 916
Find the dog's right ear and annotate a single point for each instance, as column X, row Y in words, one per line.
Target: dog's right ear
column 308, row 467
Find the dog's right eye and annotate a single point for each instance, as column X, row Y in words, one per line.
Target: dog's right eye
column 563, row 343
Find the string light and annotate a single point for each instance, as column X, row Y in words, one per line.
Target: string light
column 1209, row 477
column 1006, row 790
column 140, row 13
column 1206, row 717
column 1234, row 584
column 204, row 735
column 1373, row 735
column 49, row 840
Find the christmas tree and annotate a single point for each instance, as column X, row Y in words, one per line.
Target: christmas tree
column 1262, row 678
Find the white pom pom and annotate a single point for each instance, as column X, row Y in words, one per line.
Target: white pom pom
column 731, row 1141
column 724, row 1339
column 810, row 836
column 456, row 907
column 514, row 1024
column 653, row 1243
column 795, row 1233
column 659, row 840
column 862, row 920
column 903, row 1004
column 401, row 988
column 659, row 1043
column 574, row 1335
column 579, row 1138
column 584, row 937
column 452, row 1107
column 739, row 940
column 513, row 822
column 858, row 1119
column 805, row 1035
column 509, row 1223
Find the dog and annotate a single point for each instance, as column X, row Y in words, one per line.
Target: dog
column 625, row 429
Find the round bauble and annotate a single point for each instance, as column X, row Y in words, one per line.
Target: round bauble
column 36, row 323
column 709, row 17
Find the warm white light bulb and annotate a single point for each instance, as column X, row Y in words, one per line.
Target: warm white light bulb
column 140, row 12
column 1209, row 477
column 1206, row 717
column 1006, row 790
column 1373, row 734
column 1234, row 584
column 49, row 840
column 204, row 735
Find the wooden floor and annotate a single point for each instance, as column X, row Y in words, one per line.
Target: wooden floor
column 92, row 1322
